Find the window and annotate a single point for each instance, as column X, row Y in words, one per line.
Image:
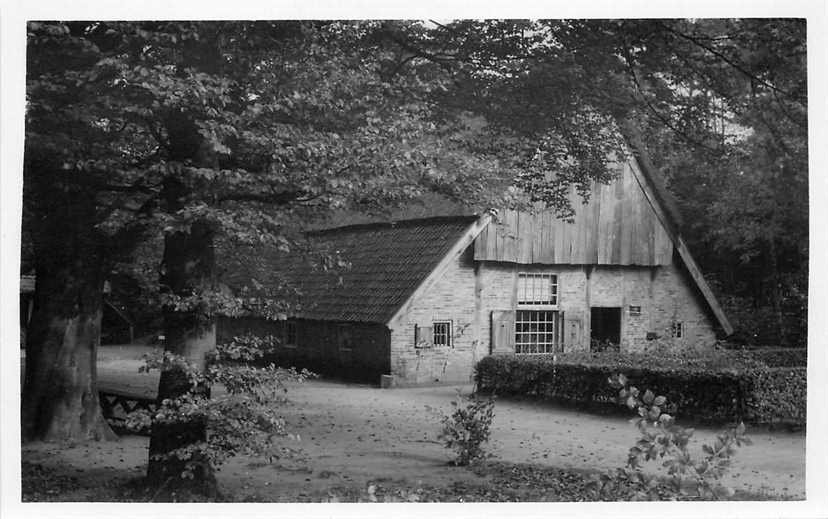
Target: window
column 290, row 333
column 442, row 333
column 537, row 331
column 677, row 329
column 537, row 289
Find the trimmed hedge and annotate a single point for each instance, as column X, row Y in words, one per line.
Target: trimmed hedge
column 781, row 357
column 778, row 395
column 756, row 395
column 714, row 359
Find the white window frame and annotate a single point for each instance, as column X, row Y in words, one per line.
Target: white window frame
column 447, row 335
column 533, row 281
column 537, row 331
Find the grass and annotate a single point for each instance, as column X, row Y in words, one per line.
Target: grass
column 503, row 482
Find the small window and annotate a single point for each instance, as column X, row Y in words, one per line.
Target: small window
column 290, row 334
column 677, row 329
column 537, row 289
column 441, row 333
column 635, row 310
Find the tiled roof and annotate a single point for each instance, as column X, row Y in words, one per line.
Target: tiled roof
column 385, row 263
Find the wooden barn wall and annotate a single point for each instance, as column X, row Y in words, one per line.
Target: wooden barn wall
column 616, row 227
column 350, row 351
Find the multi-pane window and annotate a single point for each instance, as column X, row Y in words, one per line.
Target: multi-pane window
column 677, row 329
column 537, row 289
column 537, row 331
column 441, row 331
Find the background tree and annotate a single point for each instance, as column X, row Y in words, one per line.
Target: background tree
column 723, row 106
column 206, row 133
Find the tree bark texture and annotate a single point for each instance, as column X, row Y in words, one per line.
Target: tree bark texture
column 188, row 265
column 60, row 395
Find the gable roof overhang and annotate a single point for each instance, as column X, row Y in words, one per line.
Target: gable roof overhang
column 465, row 241
column 667, row 212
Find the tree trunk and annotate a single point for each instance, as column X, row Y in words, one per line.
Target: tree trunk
column 60, row 395
column 188, row 266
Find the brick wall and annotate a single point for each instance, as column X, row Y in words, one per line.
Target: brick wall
column 467, row 293
column 451, row 298
column 664, row 294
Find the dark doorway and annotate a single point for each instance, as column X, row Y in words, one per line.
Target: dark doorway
column 605, row 332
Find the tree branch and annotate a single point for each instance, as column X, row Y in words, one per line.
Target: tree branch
column 628, row 60
column 730, row 62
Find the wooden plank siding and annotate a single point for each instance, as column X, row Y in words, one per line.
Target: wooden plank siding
column 618, row 226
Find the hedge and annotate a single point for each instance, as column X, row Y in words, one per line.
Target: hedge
column 757, row 395
column 778, row 396
column 781, row 357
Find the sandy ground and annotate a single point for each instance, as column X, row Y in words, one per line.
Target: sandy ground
column 352, row 434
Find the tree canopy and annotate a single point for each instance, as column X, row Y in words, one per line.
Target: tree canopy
column 206, row 138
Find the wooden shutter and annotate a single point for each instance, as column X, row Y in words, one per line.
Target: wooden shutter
column 503, row 331
column 423, row 336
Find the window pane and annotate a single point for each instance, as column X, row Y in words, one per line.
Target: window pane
column 537, row 289
column 441, row 333
column 535, row 332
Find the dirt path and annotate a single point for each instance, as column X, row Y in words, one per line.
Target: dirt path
column 353, row 434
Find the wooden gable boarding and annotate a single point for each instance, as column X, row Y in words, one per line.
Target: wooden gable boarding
column 617, row 226
column 623, row 224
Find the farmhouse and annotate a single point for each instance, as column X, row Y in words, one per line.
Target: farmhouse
column 424, row 300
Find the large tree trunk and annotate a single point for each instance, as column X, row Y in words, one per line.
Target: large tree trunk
column 60, row 394
column 188, row 267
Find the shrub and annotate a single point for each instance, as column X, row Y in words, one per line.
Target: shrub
column 780, row 357
column 756, row 394
column 243, row 420
column 778, row 396
column 467, row 428
column 662, row 438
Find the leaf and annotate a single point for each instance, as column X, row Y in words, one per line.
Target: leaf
column 648, row 397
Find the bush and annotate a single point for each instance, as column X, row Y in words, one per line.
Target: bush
column 244, row 420
column 662, row 439
column 781, row 357
column 467, row 428
column 756, row 395
column 778, row 396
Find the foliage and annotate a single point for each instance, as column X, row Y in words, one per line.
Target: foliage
column 663, row 439
column 705, row 390
column 778, row 396
column 780, row 357
column 243, row 419
column 467, row 428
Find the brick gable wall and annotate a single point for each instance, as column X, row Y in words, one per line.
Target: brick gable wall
column 468, row 292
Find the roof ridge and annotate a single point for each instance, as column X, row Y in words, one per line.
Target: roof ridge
column 411, row 222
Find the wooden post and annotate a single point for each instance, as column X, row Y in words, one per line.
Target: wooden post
column 587, row 330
